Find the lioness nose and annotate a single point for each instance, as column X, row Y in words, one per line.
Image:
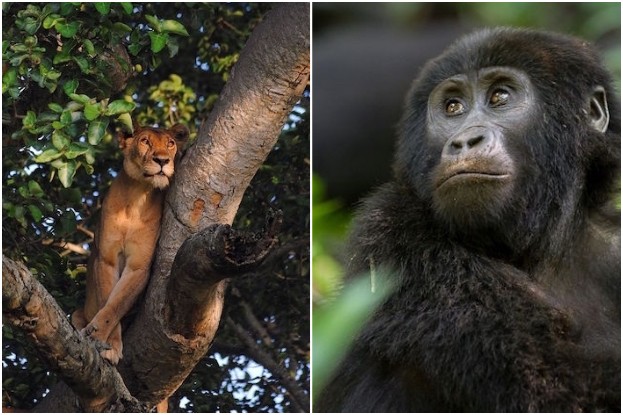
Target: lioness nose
column 161, row 160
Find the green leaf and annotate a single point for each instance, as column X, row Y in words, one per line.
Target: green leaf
column 66, row 172
column 119, row 106
column 66, row 118
column 158, row 41
column 48, row 155
column 83, row 63
column 173, row 47
column 97, row 130
column 135, row 48
column 67, row 30
column 9, row 78
column 60, row 140
column 70, row 87
column 127, row 7
column 175, row 27
column 19, row 215
column 35, row 189
column 29, row 120
column 23, row 192
column 35, row 212
column 53, row 75
column 62, row 57
column 126, row 120
column 102, row 8
column 80, row 98
column 91, row 111
column 88, row 45
column 76, row 149
column 31, row 25
column 88, row 168
column 46, row 117
column 121, row 28
column 55, row 107
column 51, row 20
column 154, row 22
column 67, row 8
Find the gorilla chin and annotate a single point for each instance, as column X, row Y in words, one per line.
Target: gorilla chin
column 473, row 192
column 472, row 200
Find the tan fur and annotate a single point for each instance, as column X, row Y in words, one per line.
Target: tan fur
column 120, row 260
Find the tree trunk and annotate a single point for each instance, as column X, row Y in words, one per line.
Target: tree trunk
column 166, row 341
column 267, row 81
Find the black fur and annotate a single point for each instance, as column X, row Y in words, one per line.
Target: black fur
column 523, row 315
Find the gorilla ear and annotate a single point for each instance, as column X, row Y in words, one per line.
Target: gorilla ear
column 598, row 114
column 180, row 132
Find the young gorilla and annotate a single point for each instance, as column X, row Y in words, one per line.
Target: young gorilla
column 129, row 227
column 499, row 236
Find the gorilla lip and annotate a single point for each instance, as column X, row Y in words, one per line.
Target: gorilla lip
column 471, row 175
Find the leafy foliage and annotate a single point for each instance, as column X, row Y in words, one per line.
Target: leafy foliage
column 73, row 73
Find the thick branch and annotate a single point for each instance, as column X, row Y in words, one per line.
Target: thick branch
column 27, row 306
column 210, row 256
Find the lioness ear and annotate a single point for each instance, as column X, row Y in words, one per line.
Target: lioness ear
column 122, row 137
column 180, row 133
column 135, row 126
column 123, row 134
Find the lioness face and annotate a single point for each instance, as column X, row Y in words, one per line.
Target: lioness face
column 149, row 154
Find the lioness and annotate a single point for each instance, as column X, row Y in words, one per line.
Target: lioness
column 129, row 227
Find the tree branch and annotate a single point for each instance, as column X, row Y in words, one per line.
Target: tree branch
column 27, row 306
column 300, row 399
column 205, row 259
column 252, row 320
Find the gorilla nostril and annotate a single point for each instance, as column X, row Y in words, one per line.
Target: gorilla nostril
column 463, row 143
column 472, row 142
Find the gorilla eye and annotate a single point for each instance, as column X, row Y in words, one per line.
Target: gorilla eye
column 454, row 107
column 499, row 97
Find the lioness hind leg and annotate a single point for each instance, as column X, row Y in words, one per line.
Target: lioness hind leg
column 114, row 354
column 163, row 407
column 78, row 320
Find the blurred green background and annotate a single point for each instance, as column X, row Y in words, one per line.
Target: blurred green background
column 364, row 58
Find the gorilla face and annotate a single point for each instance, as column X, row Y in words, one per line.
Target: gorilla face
column 474, row 122
column 502, row 133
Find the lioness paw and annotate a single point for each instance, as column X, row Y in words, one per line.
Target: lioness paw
column 112, row 355
column 89, row 329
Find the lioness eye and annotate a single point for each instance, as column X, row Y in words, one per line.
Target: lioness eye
column 145, row 141
column 171, row 143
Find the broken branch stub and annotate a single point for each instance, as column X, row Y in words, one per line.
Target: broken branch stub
column 203, row 263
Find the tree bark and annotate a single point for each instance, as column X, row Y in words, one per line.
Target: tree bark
column 166, row 341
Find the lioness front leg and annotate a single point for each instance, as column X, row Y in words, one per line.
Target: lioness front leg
column 105, row 326
column 115, row 353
